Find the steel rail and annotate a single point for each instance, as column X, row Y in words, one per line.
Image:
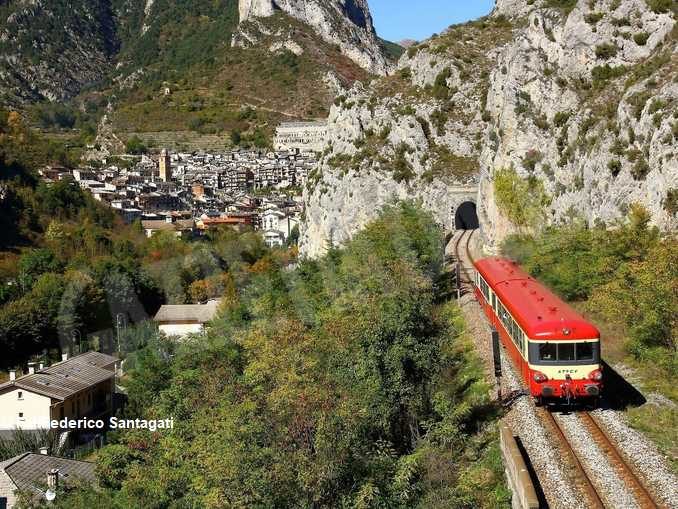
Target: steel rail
column 582, row 477
column 633, row 482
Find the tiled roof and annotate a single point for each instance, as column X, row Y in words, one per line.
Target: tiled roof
column 28, row 471
column 187, row 313
column 64, row 379
column 161, row 224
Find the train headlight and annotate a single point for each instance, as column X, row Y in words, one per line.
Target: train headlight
column 539, row 377
column 596, row 375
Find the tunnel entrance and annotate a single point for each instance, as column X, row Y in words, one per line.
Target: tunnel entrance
column 466, row 218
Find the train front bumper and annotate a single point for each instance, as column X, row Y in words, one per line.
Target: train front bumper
column 575, row 389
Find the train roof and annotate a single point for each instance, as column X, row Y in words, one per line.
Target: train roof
column 538, row 311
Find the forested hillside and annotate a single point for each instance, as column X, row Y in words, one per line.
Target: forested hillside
column 69, row 266
column 345, row 383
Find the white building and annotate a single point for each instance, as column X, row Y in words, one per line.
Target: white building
column 185, row 319
column 74, row 388
column 277, row 226
column 304, row 136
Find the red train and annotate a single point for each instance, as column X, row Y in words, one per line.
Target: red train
column 556, row 351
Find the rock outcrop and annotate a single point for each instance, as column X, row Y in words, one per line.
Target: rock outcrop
column 579, row 102
column 346, row 23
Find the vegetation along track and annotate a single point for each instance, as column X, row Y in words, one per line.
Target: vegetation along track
column 592, row 480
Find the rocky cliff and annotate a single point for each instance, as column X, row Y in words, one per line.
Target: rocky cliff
column 555, row 109
column 346, row 23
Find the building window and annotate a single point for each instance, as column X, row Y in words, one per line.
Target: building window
column 20, row 395
column 21, row 416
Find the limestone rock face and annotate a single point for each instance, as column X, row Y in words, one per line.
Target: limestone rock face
column 255, row 9
column 346, row 23
column 583, row 100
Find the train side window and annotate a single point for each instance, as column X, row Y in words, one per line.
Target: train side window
column 585, row 351
column 566, row 352
column 547, row 352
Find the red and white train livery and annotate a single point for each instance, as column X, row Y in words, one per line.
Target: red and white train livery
column 556, row 351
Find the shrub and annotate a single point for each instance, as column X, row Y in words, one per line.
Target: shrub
column 670, row 203
column 660, row 6
column 561, row 118
column 615, row 167
column 606, row 50
column 402, row 169
column 640, row 169
column 135, row 146
column 522, row 201
column 593, row 17
column 603, row 73
column 641, row 38
column 531, row 159
column 440, row 88
column 564, row 5
column 405, row 73
column 656, row 105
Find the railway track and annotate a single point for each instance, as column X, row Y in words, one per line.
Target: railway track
column 597, row 467
column 462, row 254
column 589, row 477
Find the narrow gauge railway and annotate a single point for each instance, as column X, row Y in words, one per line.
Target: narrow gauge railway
column 565, row 389
column 462, row 254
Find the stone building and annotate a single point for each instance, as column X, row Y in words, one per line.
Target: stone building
column 304, row 136
column 165, row 165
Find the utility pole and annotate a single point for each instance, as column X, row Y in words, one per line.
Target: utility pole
column 119, row 324
column 76, row 336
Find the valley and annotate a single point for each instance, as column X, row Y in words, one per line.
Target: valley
column 261, row 220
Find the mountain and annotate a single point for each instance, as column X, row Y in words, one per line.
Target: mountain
column 184, row 72
column 346, row 23
column 544, row 111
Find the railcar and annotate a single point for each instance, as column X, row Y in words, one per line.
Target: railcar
column 555, row 350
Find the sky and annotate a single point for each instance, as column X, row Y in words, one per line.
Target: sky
column 396, row 20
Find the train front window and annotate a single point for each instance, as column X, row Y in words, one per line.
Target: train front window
column 547, row 352
column 585, row 351
column 566, row 352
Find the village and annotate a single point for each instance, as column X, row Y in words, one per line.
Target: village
column 189, row 194
column 184, row 194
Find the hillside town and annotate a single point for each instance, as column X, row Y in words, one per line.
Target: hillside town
column 191, row 193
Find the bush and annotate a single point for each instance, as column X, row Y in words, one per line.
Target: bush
column 614, row 166
column 531, row 159
column 522, row 201
column 641, row 38
column 565, row 5
column 561, row 118
column 440, row 88
column 640, row 169
column 670, row 203
column 603, row 73
column 402, row 169
column 136, row 146
column 593, row 18
column 606, row 50
column 660, row 6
